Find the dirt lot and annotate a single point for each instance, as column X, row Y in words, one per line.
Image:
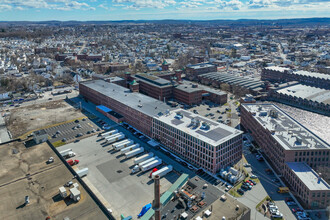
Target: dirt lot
column 33, row 117
column 26, row 173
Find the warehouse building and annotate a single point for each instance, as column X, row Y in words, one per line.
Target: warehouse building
column 289, row 146
column 200, row 141
column 302, row 96
column 135, row 108
column 282, row 74
column 215, row 79
column 193, row 71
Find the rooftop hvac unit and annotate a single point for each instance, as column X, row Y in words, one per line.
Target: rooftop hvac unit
column 178, row 115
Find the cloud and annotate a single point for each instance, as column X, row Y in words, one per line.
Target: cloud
column 190, row 4
column 232, row 4
column 45, row 4
column 138, row 4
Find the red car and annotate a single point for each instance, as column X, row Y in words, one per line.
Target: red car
column 297, row 210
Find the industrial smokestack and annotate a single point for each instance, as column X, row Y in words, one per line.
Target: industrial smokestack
column 156, row 203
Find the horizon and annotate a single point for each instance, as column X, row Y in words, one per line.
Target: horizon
column 121, row 10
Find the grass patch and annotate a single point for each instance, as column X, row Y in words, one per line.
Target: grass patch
column 262, row 201
column 58, row 143
column 226, row 104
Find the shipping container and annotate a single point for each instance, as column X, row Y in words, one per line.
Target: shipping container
column 129, row 148
column 162, row 172
column 134, row 152
column 143, row 158
column 151, row 165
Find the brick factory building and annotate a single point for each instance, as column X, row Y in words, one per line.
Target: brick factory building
column 154, row 86
column 281, row 74
column 188, row 94
column 200, row 141
column 203, row 142
column 137, row 109
column 291, row 149
column 192, row 71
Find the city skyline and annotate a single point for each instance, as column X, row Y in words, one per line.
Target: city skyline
column 84, row 10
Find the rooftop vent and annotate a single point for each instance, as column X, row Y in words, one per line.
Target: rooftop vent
column 140, row 105
column 178, row 115
column 205, row 126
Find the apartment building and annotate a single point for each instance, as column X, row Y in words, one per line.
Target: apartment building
column 137, row 109
column 200, row 141
column 285, row 141
column 282, row 74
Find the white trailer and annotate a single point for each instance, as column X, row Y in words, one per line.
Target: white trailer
column 151, row 165
column 116, row 138
column 63, row 152
column 122, row 144
column 134, row 152
column 67, row 153
column 143, row 158
column 162, row 172
column 82, row 172
column 111, row 136
column 147, row 161
column 129, row 148
column 106, row 134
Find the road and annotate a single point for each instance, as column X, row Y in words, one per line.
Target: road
column 266, row 187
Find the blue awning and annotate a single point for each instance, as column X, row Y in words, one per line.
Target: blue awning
column 103, row 108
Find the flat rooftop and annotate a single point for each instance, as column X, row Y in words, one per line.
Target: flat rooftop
column 307, row 92
column 188, row 87
column 24, row 172
column 308, row 176
column 137, row 101
column 152, row 79
column 216, row 134
column 200, row 66
column 287, row 131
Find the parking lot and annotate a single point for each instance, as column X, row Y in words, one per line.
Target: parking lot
column 268, row 186
column 71, row 130
column 111, row 175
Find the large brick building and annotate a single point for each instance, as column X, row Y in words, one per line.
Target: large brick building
column 202, row 142
column 137, row 109
column 158, row 87
column 205, row 143
column 192, row 71
column 290, row 147
column 281, row 74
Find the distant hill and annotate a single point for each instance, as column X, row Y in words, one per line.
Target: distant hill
column 240, row 22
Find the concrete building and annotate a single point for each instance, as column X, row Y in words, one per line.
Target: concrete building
column 283, row 141
column 207, row 144
column 40, row 136
column 281, row 74
column 192, row 71
column 137, row 109
column 302, row 96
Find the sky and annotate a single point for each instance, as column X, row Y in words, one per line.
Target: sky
column 86, row 10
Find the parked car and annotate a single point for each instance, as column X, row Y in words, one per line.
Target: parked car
column 291, row 203
column 240, row 191
column 297, row 210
